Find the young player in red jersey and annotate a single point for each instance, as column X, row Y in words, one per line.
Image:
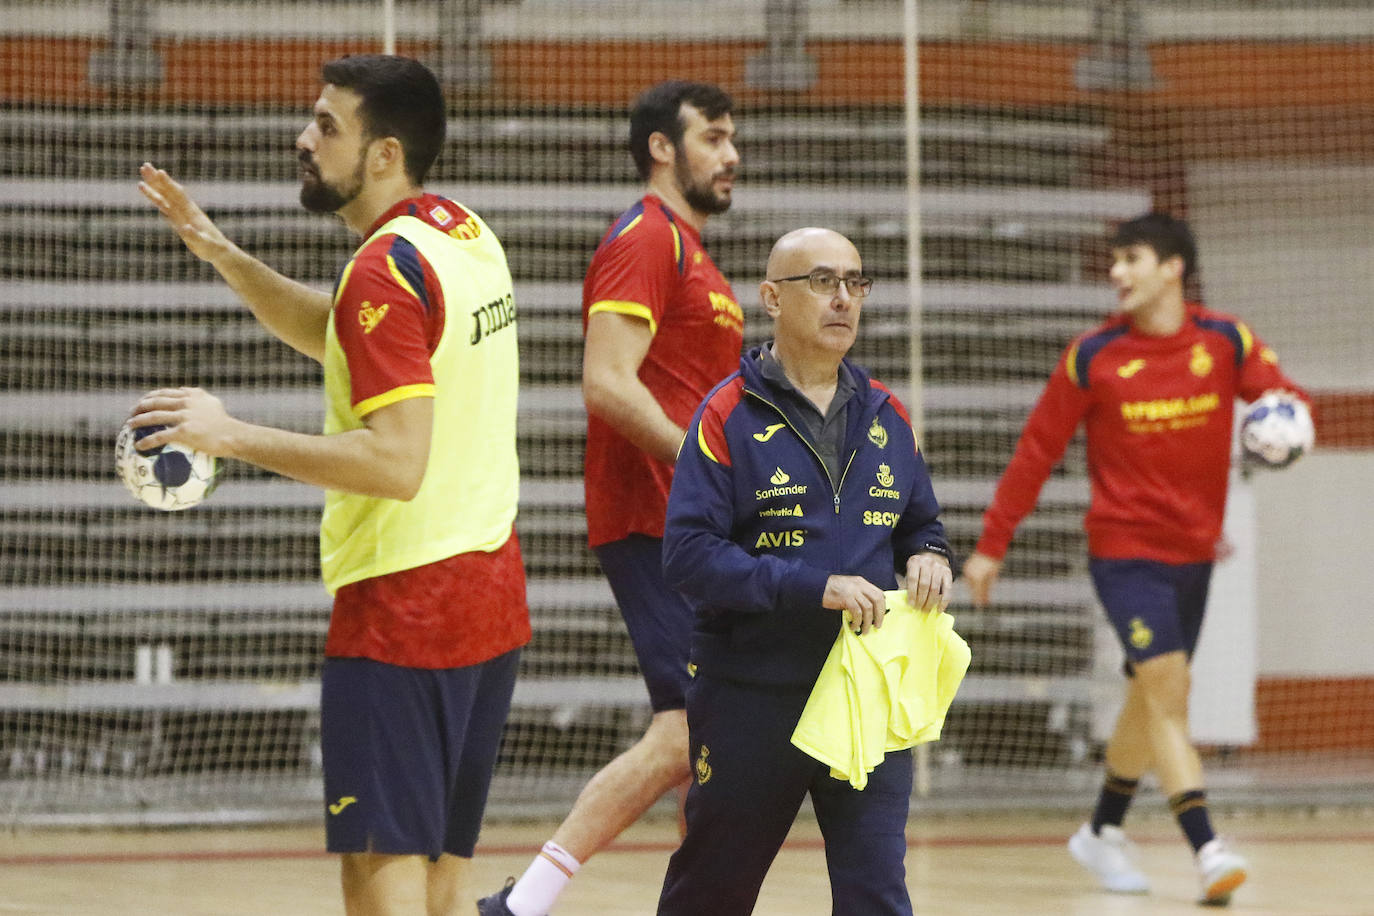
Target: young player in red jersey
column 1155, row 389
column 662, row 328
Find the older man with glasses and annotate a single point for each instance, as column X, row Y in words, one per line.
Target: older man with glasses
column 799, row 496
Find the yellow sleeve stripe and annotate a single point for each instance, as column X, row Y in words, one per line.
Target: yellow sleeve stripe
column 705, row 449
column 677, row 247
column 630, row 225
column 404, row 393
column 396, row 275
column 343, row 281
column 621, row 307
column 1071, row 363
column 1247, row 340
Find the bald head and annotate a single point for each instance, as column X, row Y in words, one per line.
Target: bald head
column 803, row 250
column 806, row 293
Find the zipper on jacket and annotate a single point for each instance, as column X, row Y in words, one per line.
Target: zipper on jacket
column 843, row 475
column 835, row 489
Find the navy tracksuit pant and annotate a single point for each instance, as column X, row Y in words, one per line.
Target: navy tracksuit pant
column 748, row 785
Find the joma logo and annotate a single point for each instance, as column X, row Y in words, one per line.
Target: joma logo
column 492, row 317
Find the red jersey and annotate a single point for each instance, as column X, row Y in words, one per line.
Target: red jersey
column 651, row 265
column 1158, row 416
column 389, row 316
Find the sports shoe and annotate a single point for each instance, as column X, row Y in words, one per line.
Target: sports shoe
column 1221, row 869
column 495, row 905
column 1110, row 857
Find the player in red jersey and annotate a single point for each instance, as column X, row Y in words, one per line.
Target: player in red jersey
column 1155, row 389
column 418, row 461
column 662, row 328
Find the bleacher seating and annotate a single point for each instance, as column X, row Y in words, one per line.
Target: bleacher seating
column 87, row 325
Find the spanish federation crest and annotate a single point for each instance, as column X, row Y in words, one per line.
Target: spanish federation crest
column 877, row 435
column 1201, row 362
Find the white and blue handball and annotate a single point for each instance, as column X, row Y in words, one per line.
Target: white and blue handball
column 168, row 477
column 1276, row 430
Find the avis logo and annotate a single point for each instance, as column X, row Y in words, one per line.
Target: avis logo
column 795, row 537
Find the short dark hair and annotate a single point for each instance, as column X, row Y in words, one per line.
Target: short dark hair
column 659, row 110
column 400, row 98
column 1167, row 235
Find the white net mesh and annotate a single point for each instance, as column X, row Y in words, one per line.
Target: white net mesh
column 163, row 667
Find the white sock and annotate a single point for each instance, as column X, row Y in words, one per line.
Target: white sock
column 534, row 894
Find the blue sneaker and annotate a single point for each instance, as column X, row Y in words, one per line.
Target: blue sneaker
column 495, row 905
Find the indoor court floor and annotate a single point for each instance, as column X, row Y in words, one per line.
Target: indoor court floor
column 1311, row 863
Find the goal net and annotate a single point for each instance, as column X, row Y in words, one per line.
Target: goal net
column 163, row 668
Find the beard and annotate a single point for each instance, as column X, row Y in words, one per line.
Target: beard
column 319, row 196
column 700, row 196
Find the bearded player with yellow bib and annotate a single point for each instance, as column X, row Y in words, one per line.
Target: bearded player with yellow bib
column 419, row 466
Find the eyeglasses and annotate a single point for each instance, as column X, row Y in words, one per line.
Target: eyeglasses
column 826, row 283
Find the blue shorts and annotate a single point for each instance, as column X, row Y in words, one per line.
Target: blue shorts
column 1154, row 607
column 658, row 618
column 408, row 753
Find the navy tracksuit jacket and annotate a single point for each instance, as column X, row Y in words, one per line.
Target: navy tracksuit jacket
column 754, row 529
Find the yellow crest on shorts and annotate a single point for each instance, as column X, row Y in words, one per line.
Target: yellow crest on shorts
column 1141, row 635
column 702, row 767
